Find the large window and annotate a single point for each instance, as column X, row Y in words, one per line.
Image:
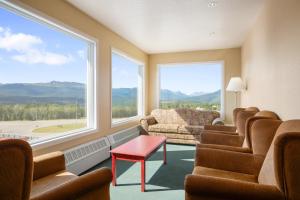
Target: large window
column 194, row 85
column 46, row 78
column 127, row 88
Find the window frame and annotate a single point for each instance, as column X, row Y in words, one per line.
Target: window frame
column 22, row 9
column 221, row 62
column 140, row 89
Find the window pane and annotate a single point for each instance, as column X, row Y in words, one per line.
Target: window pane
column 195, row 86
column 43, row 79
column 125, row 87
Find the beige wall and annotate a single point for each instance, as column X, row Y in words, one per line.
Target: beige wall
column 69, row 15
column 271, row 59
column 232, row 66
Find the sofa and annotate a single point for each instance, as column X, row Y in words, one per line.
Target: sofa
column 181, row 126
column 45, row 177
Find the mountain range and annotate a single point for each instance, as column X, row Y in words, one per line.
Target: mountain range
column 73, row 92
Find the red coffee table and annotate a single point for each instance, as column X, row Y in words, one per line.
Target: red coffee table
column 138, row 150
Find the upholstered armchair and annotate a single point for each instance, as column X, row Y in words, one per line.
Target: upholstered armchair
column 227, row 128
column 229, row 138
column 23, row 177
column 267, row 174
column 247, row 145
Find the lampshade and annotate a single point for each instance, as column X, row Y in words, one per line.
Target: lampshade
column 235, row 84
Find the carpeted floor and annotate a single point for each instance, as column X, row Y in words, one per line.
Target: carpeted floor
column 162, row 181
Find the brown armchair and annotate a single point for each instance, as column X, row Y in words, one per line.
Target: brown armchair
column 246, row 147
column 227, row 128
column 224, row 175
column 229, row 138
column 45, row 177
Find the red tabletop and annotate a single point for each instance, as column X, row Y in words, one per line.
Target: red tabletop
column 142, row 145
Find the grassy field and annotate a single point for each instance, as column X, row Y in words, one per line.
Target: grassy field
column 58, row 128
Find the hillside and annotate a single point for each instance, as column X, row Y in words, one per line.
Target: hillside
column 72, row 92
column 168, row 95
column 54, row 92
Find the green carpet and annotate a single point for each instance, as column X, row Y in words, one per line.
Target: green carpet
column 162, row 181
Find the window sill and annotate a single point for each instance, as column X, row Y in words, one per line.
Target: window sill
column 61, row 139
column 124, row 121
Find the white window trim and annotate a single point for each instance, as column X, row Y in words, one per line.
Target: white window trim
column 141, row 90
column 92, row 108
column 158, row 86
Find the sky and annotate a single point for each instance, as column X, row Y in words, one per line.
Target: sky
column 190, row 78
column 31, row 52
column 124, row 72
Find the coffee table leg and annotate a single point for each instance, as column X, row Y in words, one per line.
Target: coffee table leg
column 113, row 163
column 143, row 171
column 165, row 153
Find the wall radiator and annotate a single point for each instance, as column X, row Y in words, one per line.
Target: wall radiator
column 83, row 157
column 123, row 136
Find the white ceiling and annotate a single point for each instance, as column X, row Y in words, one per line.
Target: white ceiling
column 158, row 26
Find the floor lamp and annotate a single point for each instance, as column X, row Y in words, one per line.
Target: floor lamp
column 235, row 85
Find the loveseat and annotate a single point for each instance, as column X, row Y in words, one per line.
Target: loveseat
column 182, row 126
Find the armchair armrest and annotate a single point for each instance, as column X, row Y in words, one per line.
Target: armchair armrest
column 220, row 128
column 198, row 187
column 225, row 147
column 90, row 185
column 226, row 160
column 47, row 164
column 221, row 138
column 146, row 121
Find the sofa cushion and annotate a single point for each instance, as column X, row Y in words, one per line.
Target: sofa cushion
column 184, row 116
column 164, row 128
column 196, row 130
column 177, row 136
column 49, row 182
column 205, row 171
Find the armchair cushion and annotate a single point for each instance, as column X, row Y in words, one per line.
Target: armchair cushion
column 212, row 188
column 220, row 128
column 90, row 186
column 198, row 170
column 226, row 160
column 225, row 147
column 222, row 139
column 49, row 182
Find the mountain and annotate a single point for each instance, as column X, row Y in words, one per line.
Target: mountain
column 52, row 92
column 171, row 95
column 199, row 97
column 72, row 92
column 213, row 97
column 120, row 96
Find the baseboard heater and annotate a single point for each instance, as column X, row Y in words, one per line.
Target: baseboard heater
column 123, row 136
column 85, row 156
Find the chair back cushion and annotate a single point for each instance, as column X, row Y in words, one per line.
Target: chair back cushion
column 263, row 132
column 237, row 110
column 249, row 122
column 282, row 163
column 184, row 116
column 241, row 120
column 15, row 169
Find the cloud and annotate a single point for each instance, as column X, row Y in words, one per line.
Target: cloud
column 36, row 57
column 26, row 49
column 81, row 53
column 17, row 42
